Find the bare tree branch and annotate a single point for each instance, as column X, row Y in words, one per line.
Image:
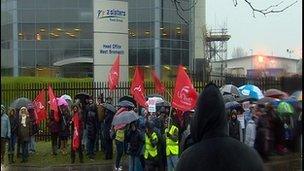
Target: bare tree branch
column 235, row 2
column 178, row 11
column 270, row 9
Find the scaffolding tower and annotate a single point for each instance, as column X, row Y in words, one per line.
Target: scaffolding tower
column 216, row 47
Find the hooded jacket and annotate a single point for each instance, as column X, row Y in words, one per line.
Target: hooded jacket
column 213, row 148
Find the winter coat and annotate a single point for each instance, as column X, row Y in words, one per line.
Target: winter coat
column 213, row 148
column 263, row 138
column 14, row 124
column 92, row 121
column 24, row 132
column 100, row 112
column 250, row 133
column 33, row 121
column 54, row 126
column 5, row 126
column 108, row 123
column 235, row 129
column 135, row 141
column 65, row 124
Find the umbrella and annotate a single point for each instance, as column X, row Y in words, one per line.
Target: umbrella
column 228, row 98
column 66, row 97
column 292, row 100
column 125, row 117
column 128, row 98
column 275, row 93
column 230, row 89
column 164, row 103
column 126, row 103
column 232, row 105
column 109, row 107
column 285, row 109
column 82, row 96
column 21, row 102
column 252, row 91
column 265, row 100
column 61, row 101
column 297, row 95
column 244, row 98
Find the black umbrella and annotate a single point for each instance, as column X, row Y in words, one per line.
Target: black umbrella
column 82, row 97
column 164, row 103
column 228, row 98
column 127, row 98
column 20, row 102
column 126, row 103
column 109, row 107
column 266, row 100
column 125, row 117
column 232, row 105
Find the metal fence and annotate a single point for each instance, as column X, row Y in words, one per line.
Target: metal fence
column 10, row 92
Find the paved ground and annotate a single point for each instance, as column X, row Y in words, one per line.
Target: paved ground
column 292, row 162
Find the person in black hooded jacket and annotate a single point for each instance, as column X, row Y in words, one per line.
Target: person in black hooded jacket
column 213, row 148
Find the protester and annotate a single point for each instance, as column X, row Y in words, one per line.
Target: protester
column 14, row 132
column 5, row 131
column 119, row 136
column 251, row 131
column 64, row 128
column 77, row 131
column 234, row 126
column 24, row 132
column 101, row 116
column 151, row 152
column 54, row 128
column 172, row 145
column 34, row 129
column 213, row 148
column 107, row 127
column 135, row 140
column 91, row 127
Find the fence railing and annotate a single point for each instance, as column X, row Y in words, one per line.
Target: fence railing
column 10, row 92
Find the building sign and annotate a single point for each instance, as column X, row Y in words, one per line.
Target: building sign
column 110, row 26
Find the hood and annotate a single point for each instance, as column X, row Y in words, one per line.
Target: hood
column 209, row 119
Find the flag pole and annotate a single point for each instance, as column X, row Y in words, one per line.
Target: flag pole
column 170, row 109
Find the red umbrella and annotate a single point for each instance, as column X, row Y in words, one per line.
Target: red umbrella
column 275, row 93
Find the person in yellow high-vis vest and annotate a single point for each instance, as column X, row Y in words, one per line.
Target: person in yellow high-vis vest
column 150, row 152
column 172, row 147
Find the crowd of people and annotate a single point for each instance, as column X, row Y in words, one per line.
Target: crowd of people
column 156, row 140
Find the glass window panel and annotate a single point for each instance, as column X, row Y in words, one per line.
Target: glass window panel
column 27, row 4
column 144, row 30
column 164, row 43
column 42, row 4
column 164, row 30
column 71, row 44
column 185, row 57
column 28, row 16
column 132, row 30
column 185, row 45
column 56, row 44
column 43, row 31
column 132, row 56
column 28, row 58
column 86, row 3
column 56, row 15
column 185, row 32
column 28, row 32
column 144, row 3
column 68, row 53
column 27, row 45
column 165, row 56
column 70, row 15
column 42, row 44
column 86, row 53
column 55, row 3
column 133, row 43
column 71, row 31
column 86, row 44
column 56, row 55
column 175, row 44
column 42, row 15
column 145, row 43
column 70, row 3
column 176, row 57
column 85, row 14
column 142, row 15
column 56, row 31
column 144, row 57
column 43, row 58
column 86, row 31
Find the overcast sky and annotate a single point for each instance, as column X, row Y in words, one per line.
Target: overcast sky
column 270, row 35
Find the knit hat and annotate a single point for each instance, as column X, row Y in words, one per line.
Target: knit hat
column 2, row 109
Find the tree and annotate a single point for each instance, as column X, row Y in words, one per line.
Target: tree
column 238, row 52
column 275, row 8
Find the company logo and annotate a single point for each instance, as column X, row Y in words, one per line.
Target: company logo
column 114, row 15
column 137, row 88
column 183, row 94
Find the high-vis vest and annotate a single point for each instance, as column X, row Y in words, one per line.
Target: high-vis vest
column 171, row 146
column 120, row 135
column 149, row 149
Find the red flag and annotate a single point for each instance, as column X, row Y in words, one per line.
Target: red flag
column 185, row 95
column 39, row 104
column 53, row 103
column 159, row 87
column 138, row 89
column 113, row 76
